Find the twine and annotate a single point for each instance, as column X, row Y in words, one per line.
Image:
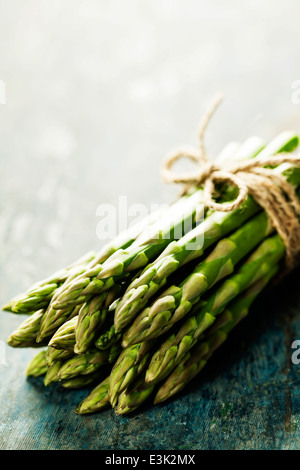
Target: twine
column 270, row 189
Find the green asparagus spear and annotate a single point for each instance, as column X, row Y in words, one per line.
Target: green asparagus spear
column 92, row 317
column 52, row 373
column 194, row 361
column 8, row 307
column 81, row 381
column 108, row 338
column 59, row 317
column 40, row 294
column 130, row 363
column 25, row 335
column 203, row 315
column 64, row 338
column 96, row 401
column 37, row 366
column 83, row 364
column 54, row 318
column 134, row 396
column 187, row 369
column 53, row 355
column 114, row 353
column 194, row 243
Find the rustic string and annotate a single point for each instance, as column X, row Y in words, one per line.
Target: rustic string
column 269, row 188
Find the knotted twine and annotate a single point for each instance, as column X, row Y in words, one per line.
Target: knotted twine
column 270, row 189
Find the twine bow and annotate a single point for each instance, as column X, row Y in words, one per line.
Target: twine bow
column 269, row 188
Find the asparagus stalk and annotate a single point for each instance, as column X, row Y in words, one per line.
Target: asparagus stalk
column 187, row 369
column 25, row 335
column 53, row 355
column 8, row 307
column 96, row 401
column 37, row 366
column 134, row 396
column 40, row 294
column 108, row 338
column 52, row 373
column 64, row 338
column 59, row 317
column 114, row 353
column 194, row 243
column 54, row 318
column 92, row 317
column 83, row 364
column 174, row 348
column 81, row 381
column 128, row 366
column 194, row 361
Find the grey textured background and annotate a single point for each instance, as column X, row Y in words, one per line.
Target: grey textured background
column 97, row 92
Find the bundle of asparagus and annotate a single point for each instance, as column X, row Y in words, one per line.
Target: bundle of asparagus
column 143, row 316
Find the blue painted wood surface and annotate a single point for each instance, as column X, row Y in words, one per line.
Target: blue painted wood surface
column 247, row 398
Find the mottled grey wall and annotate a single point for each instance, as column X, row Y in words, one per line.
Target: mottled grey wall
column 97, row 92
